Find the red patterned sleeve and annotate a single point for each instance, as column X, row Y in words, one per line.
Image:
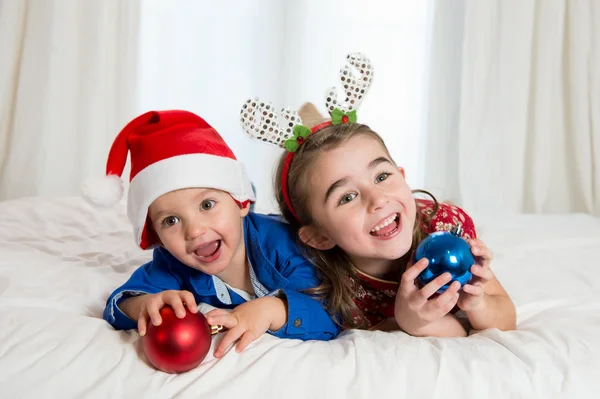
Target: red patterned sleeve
column 446, row 218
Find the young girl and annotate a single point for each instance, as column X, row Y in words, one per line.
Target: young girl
column 189, row 201
column 356, row 216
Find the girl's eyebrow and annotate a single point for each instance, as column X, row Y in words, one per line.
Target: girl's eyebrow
column 379, row 161
column 337, row 184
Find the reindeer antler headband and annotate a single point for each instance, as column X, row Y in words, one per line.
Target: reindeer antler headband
column 260, row 119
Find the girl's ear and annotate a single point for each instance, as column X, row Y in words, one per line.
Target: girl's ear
column 311, row 236
column 402, row 172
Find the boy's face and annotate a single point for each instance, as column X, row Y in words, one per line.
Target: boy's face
column 201, row 227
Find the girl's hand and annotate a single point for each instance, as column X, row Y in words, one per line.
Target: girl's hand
column 151, row 304
column 414, row 309
column 472, row 295
column 248, row 321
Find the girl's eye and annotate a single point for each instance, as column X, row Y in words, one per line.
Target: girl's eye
column 207, row 205
column 170, row 221
column 382, row 176
column 347, row 198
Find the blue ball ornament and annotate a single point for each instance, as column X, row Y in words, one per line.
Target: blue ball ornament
column 447, row 252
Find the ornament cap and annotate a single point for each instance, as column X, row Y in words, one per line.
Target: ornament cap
column 457, row 230
column 214, row 330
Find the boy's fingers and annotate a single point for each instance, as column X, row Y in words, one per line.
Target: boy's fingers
column 226, row 320
column 177, row 306
column 189, row 300
column 154, row 314
column 246, row 340
column 142, row 322
column 230, row 337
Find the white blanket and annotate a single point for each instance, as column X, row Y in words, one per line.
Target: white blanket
column 60, row 259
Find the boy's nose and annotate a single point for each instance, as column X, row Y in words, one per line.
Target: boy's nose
column 194, row 230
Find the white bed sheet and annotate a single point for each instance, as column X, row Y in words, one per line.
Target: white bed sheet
column 60, row 259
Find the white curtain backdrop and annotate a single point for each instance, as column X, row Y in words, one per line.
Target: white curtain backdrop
column 67, row 84
column 209, row 57
column 78, row 71
column 520, row 131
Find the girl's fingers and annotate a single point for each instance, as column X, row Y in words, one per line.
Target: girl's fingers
column 482, row 272
column 479, row 249
column 445, row 302
column 433, row 286
column 475, row 290
column 407, row 282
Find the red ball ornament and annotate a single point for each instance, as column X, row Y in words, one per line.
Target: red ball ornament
column 177, row 345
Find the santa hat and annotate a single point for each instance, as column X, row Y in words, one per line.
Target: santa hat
column 170, row 150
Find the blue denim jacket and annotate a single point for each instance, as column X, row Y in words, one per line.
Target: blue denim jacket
column 276, row 266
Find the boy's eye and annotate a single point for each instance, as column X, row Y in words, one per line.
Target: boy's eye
column 170, row 221
column 381, row 177
column 347, row 198
column 207, row 205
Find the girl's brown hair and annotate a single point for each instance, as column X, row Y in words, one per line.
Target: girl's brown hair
column 336, row 270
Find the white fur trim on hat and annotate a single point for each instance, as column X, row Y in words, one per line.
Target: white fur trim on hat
column 104, row 191
column 184, row 171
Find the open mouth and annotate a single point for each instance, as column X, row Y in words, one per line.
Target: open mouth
column 387, row 227
column 209, row 250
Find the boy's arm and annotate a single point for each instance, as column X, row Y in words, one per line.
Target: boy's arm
column 151, row 278
column 306, row 318
column 132, row 306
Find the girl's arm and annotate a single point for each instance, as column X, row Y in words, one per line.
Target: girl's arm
column 447, row 326
column 484, row 300
column 497, row 309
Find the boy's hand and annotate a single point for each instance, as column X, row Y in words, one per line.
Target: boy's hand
column 414, row 309
column 472, row 295
column 248, row 321
column 151, row 304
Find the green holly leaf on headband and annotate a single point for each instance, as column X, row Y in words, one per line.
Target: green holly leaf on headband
column 301, row 132
column 291, row 144
column 338, row 116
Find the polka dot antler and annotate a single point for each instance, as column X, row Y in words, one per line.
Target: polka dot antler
column 355, row 77
column 260, row 121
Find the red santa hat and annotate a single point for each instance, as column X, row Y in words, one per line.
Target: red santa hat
column 170, row 150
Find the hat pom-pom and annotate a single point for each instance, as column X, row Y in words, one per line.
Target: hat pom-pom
column 105, row 191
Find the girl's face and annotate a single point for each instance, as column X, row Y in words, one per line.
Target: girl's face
column 360, row 202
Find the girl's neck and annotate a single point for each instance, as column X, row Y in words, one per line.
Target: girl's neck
column 383, row 269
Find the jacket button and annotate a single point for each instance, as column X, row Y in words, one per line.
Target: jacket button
column 297, row 323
